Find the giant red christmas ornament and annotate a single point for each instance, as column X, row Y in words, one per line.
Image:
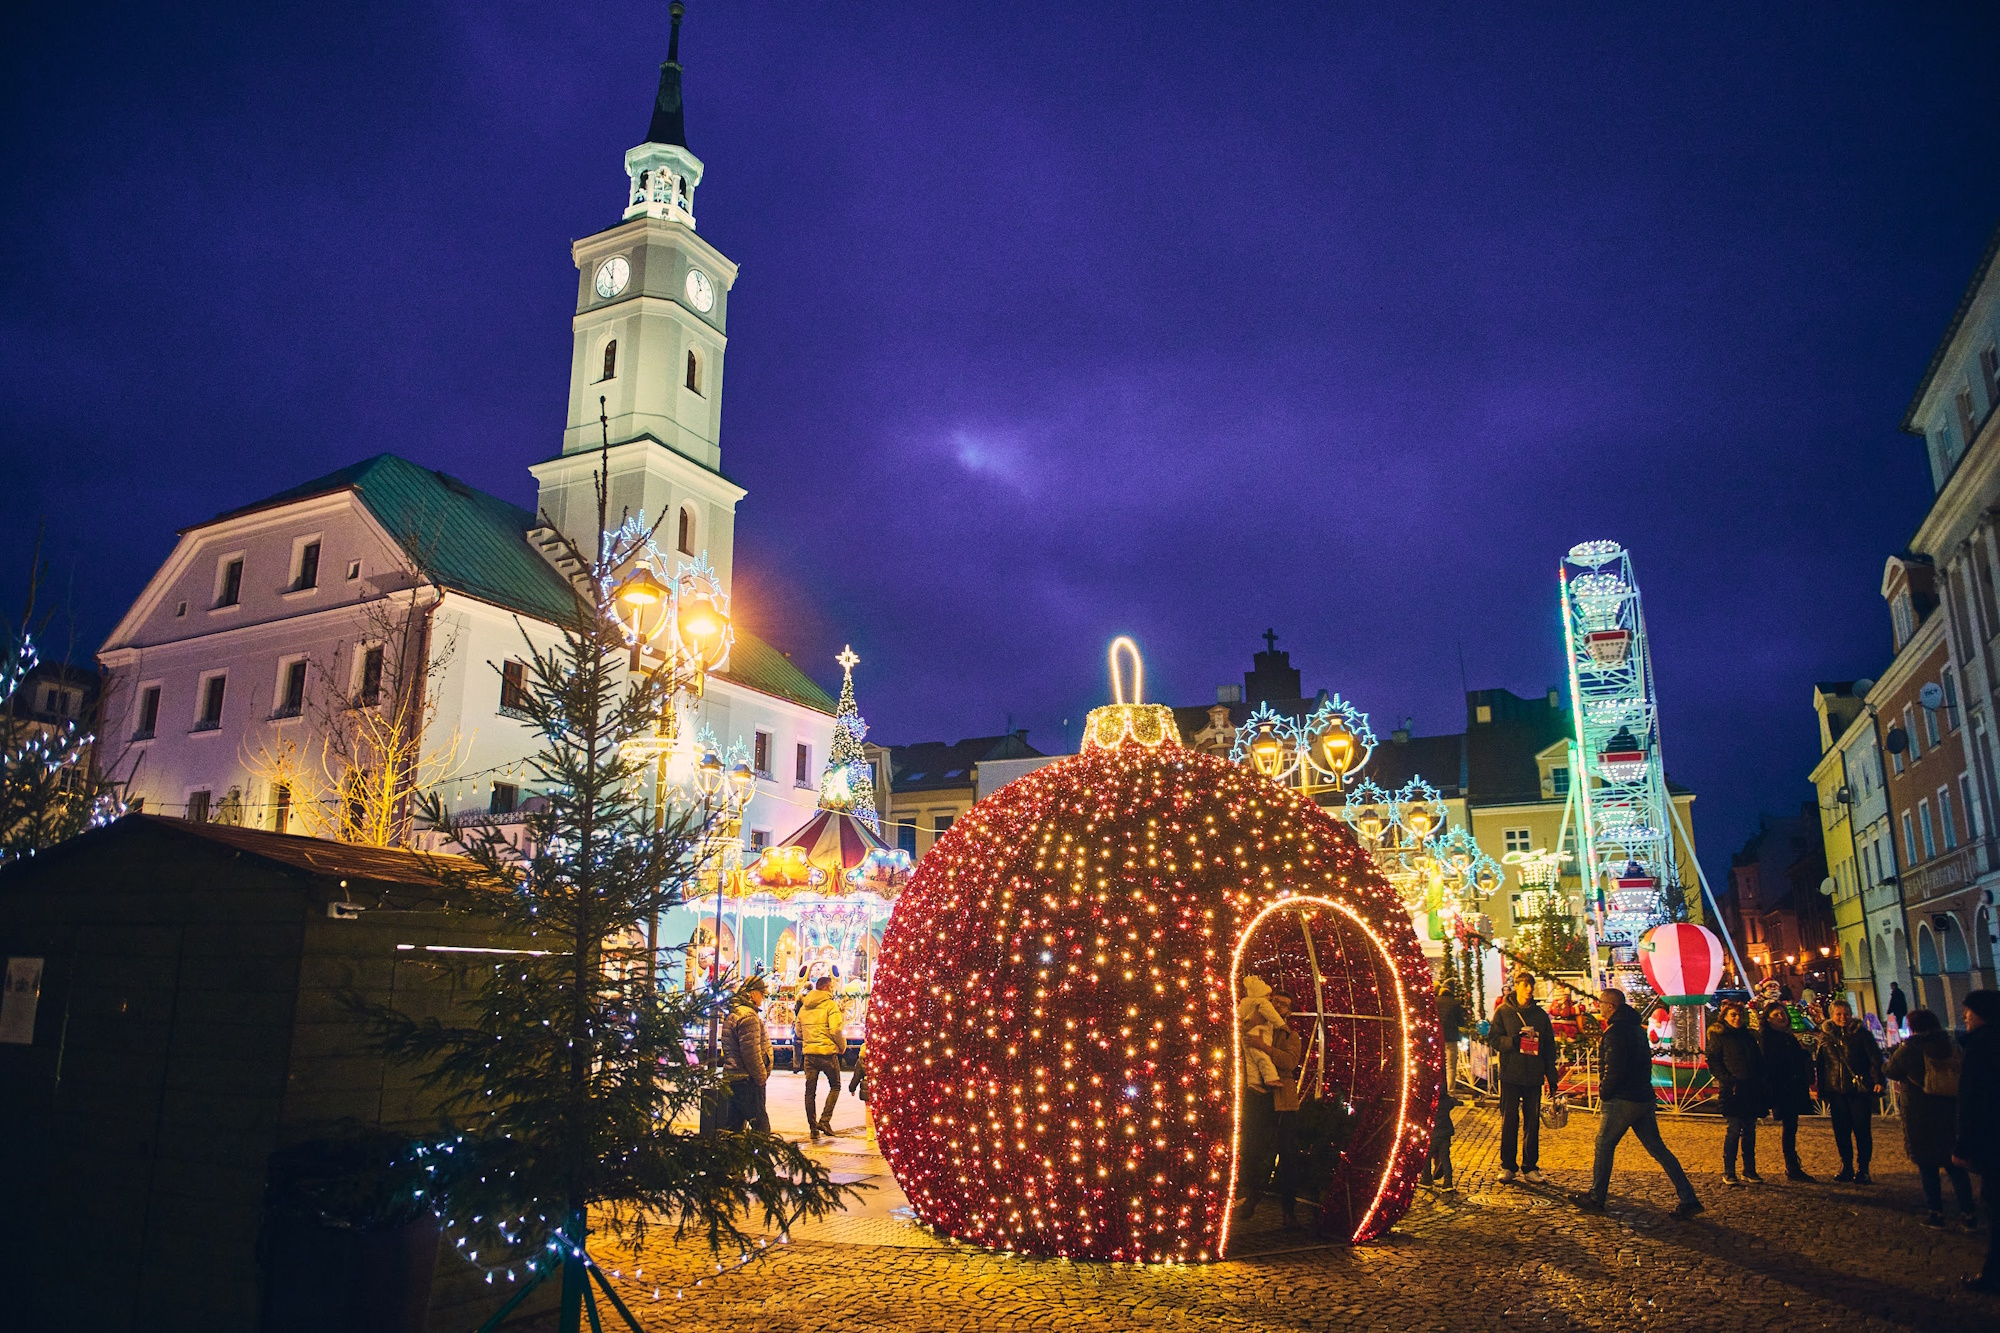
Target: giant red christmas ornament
column 1054, row 1050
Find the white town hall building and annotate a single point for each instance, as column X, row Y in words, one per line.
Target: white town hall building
column 218, row 661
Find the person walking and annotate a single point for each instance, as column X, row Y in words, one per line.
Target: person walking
column 1526, row 1040
column 1451, row 1027
column 1976, row 1145
column 1927, row 1068
column 1899, row 1004
column 746, row 1059
column 1850, row 1078
column 822, row 1036
column 1736, row 1062
column 1625, row 1091
column 1788, row 1073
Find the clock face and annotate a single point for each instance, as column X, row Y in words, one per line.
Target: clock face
column 701, row 291
column 612, row 275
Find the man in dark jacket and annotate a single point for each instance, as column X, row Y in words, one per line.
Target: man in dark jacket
column 1526, row 1040
column 1899, row 1004
column 1451, row 1026
column 1625, row 1087
column 1850, row 1079
column 746, row 1059
column 1736, row 1062
column 1977, row 1143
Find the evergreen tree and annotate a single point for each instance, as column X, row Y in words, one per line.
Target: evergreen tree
column 848, row 783
column 51, row 787
column 564, row 1075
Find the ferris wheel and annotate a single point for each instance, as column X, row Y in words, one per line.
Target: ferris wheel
column 1620, row 778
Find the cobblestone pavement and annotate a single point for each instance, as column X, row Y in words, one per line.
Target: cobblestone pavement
column 1492, row 1256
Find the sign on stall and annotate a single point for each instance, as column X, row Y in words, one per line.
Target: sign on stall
column 18, row 1001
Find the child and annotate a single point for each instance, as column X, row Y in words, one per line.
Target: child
column 1258, row 1017
column 1437, row 1171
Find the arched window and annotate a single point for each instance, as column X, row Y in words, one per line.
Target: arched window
column 1951, row 940
column 687, row 531
column 611, row 359
column 694, row 371
column 1927, row 954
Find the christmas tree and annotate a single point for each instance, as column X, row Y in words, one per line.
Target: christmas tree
column 849, row 780
column 565, row 1075
column 50, row 788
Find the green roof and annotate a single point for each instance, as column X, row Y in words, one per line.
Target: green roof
column 471, row 542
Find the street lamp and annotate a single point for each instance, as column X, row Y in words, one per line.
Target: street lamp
column 1267, row 751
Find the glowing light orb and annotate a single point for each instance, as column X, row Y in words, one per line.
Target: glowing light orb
column 1053, row 1045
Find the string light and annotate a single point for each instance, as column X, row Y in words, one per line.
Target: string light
column 1053, row 1030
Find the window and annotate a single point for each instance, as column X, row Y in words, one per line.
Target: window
column 1965, row 799
column 760, row 838
column 906, row 836
column 1899, row 614
column 1989, row 371
column 1946, row 824
column 939, row 825
column 291, row 689
column 1910, row 730
column 802, row 764
column 760, row 754
column 1930, row 727
column 1559, row 779
column 1483, row 713
column 1930, row 830
column 1909, row 841
column 281, row 807
column 1950, row 682
column 505, row 796
column 306, row 566
column 1967, row 423
column 1896, row 761
column 353, row 570
column 610, row 360
column 1518, row 839
column 149, row 713
column 686, row 543
column 368, row 689
column 180, row 610
column 513, row 686
column 197, row 811
column 694, row 371
column 211, row 703
column 229, row 584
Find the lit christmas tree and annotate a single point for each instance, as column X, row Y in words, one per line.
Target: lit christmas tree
column 566, row 1090
column 49, row 788
column 849, row 780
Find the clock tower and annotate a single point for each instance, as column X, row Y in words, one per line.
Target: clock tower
column 649, row 334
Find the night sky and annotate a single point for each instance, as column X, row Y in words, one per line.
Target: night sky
column 1058, row 321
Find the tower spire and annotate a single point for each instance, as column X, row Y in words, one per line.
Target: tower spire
column 669, row 122
column 662, row 171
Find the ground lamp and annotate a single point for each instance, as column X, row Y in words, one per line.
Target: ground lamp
column 1054, row 1052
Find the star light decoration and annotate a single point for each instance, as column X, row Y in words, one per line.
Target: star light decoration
column 1053, row 1044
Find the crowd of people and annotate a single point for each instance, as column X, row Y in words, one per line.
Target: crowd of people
column 1947, row 1093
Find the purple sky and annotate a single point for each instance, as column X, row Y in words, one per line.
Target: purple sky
column 1057, row 322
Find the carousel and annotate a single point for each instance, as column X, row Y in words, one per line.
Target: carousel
column 815, row 904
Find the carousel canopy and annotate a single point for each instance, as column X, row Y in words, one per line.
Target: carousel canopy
column 832, row 854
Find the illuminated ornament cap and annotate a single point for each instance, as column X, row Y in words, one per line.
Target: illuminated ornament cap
column 1146, row 725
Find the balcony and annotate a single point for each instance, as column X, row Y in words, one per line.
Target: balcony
column 1941, row 875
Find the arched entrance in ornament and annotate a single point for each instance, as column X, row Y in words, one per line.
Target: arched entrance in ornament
column 1351, row 1010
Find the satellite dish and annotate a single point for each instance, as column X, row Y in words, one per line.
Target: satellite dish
column 1862, row 687
column 1899, row 740
column 1931, row 695
column 1826, row 886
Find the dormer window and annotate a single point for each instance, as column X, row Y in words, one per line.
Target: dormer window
column 686, row 539
column 694, row 371
column 611, row 360
column 1899, row 612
